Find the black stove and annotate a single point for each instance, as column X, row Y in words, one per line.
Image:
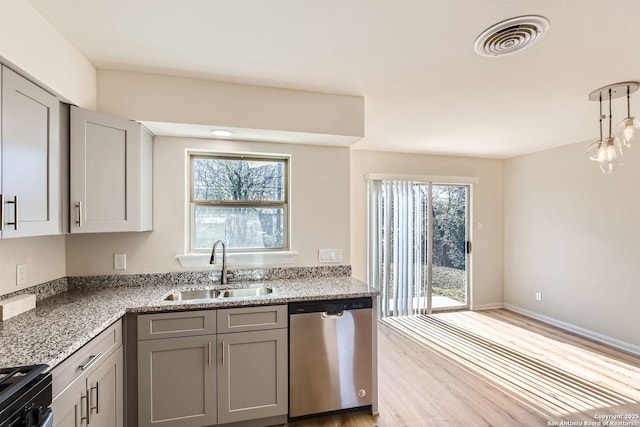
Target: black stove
column 25, row 397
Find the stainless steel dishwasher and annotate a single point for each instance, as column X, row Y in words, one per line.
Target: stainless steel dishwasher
column 330, row 348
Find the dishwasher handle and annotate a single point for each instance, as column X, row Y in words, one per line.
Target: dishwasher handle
column 332, row 314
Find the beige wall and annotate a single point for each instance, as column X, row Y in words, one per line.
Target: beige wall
column 319, row 209
column 152, row 97
column 572, row 233
column 487, row 265
column 44, row 257
column 32, row 45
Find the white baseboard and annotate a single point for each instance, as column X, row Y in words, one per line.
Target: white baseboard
column 490, row 306
column 596, row 336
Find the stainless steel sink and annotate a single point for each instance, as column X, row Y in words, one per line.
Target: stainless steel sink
column 190, row 295
column 217, row 293
column 244, row 292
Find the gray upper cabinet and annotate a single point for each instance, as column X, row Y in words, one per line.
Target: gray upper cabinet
column 110, row 174
column 30, row 159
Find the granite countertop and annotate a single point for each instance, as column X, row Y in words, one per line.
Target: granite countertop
column 63, row 323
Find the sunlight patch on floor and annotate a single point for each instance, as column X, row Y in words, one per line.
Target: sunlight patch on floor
column 529, row 379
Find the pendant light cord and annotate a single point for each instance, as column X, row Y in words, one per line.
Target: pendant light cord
column 628, row 103
column 610, row 116
column 600, row 117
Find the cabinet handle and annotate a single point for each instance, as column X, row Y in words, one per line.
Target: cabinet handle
column 79, row 213
column 209, row 354
column 222, row 352
column 97, row 389
column 86, row 405
column 14, row 202
column 91, row 361
column 1, row 212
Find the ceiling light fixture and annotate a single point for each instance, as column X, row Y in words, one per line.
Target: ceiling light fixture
column 607, row 152
column 221, row 132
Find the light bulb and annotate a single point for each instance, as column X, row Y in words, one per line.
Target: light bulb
column 628, row 131
column 610, row 155
column 602, row 153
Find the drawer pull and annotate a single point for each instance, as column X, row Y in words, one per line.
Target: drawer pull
column 79, row 211
column 14, row 202
column 97, row 389
column 86, row 408
column 91, row 361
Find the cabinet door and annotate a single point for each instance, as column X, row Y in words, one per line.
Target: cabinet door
column 176, row 382
column 30, row 158
column 105, row 391
column 70, row 407
column 110, row 162
column 252, row 375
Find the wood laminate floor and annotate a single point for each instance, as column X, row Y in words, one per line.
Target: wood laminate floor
column 495, row 368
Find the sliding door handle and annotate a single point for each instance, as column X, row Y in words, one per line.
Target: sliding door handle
column 468, row 246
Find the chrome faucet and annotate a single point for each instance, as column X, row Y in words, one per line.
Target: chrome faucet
column 223, row 275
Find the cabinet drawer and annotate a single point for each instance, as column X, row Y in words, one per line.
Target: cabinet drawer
column 252, row 318
column 174, row 325
column 91, row 354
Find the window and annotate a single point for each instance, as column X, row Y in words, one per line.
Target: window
column 241, row 200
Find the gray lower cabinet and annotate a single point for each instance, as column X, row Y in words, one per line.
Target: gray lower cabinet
column 93, row 399
column 105, row 389
column 69, row 408
column 88, row 387
column 176, row 382
column 207, row 367
column 252, row 375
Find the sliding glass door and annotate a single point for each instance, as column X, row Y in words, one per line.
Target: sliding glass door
column 449, row 284
column 418, row 245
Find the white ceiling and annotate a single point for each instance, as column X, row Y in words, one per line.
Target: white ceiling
column 425, row 89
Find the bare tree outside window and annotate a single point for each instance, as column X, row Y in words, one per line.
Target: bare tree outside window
column 240, row 200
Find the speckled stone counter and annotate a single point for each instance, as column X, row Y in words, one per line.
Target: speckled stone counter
column 63, row 323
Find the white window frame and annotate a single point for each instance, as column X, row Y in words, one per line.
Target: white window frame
column 244, row 257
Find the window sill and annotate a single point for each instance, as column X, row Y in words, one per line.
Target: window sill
column 240, row 259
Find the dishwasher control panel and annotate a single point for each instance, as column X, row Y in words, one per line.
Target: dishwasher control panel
column 330, row 306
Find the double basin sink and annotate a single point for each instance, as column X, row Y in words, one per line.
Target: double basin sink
column 217, row 293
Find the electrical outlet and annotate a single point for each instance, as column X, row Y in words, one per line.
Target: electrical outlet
column 329, row 255
column 21, row 274
column 538, row 296
column 119, row 261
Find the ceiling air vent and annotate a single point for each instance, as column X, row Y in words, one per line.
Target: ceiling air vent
column 511, row 36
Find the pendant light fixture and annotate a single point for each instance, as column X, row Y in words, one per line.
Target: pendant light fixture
column 628, row 130
column 607, row 152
